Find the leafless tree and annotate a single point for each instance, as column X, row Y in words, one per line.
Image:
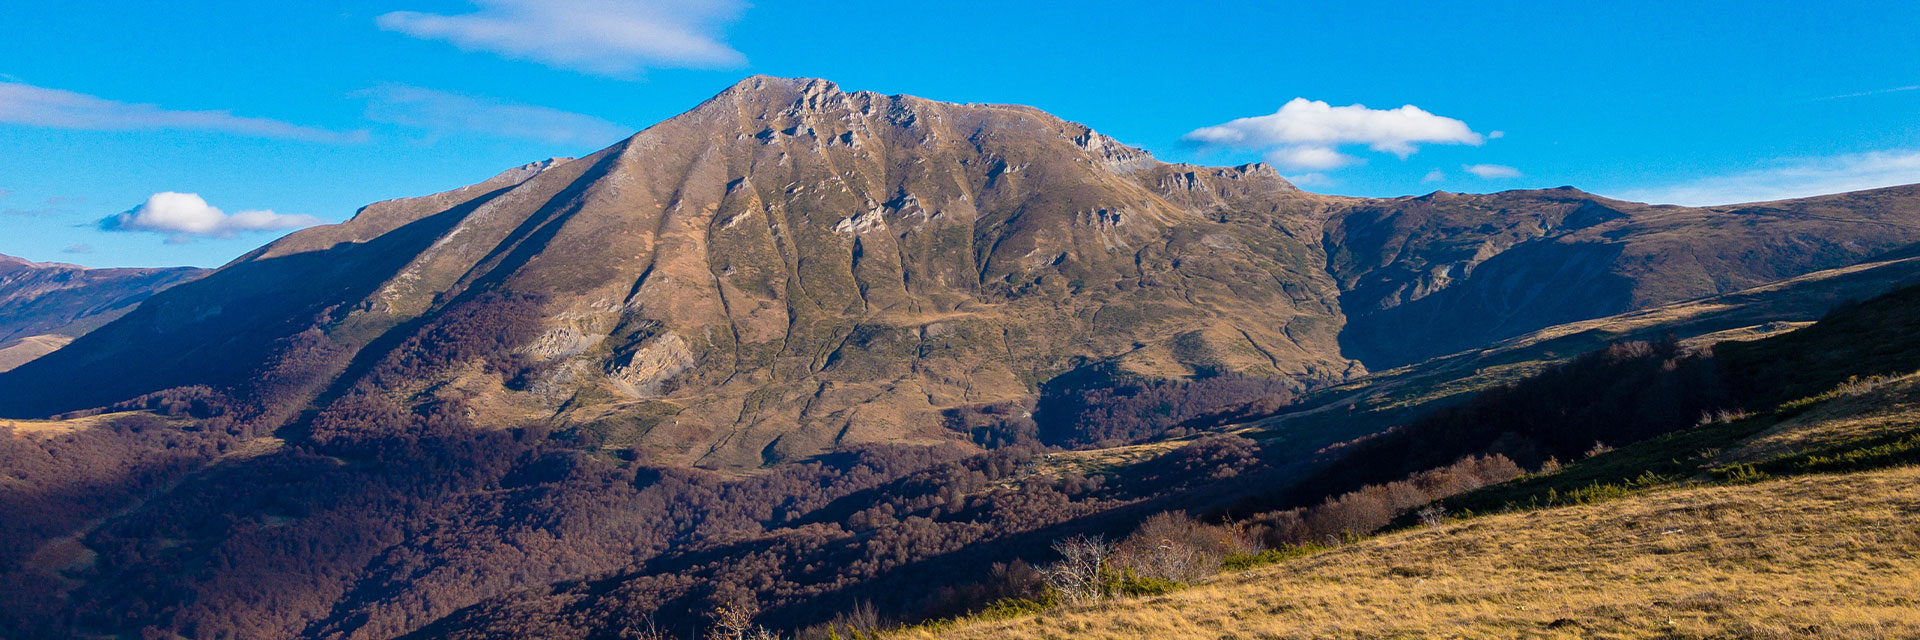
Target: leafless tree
column 1083, row 563
column 1174, row 546
column 735, row 622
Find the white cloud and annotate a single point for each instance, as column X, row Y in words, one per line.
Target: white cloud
column 82, row 248
column 1312, row 129
column 1435, row 175
column 441, row 113
column 606, row 37
column 29, row 105
column 1496, row 135
column 1310, row 158
column 1491, row 171
column 183, row 216
column 1792, row 178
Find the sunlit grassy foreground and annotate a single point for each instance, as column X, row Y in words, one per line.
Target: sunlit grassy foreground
column 1827, row 556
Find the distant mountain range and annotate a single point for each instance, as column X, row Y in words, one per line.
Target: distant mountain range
column 43, row 306
column 789, row 268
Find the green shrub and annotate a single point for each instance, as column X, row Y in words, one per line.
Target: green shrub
column 1858, row 455
column 1013, row 608
column 1131, row 584
column 1741, row 474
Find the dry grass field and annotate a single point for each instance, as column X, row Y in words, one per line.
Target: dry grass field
column 50, row 428
column 27, row 349
column 1828, row 556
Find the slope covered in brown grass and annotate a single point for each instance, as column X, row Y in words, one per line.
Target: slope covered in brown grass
column 1833, row 556
column 24, row 350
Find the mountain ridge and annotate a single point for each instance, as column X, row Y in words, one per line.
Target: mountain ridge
column 43, row 305
column 789, row 268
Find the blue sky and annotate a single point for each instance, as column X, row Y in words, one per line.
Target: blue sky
column 145, row 134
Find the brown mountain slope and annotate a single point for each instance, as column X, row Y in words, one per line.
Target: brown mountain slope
column 44, row 305
column 789, row 268
column 783, row 269
column 1437, row 274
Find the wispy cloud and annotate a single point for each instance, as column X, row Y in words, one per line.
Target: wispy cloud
column 1307, row 134
column 55, row 207
column 79, row 249
column 1862, row 94
column 1491, row 171
column 25, row 104
column 1435, row 175
column 37, row 212
column 606, row 37
column 1312, row 179
column 440, row 114
column 1792, row 178
column 183, row 216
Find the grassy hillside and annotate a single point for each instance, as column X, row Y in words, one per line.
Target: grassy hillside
column 24, row 350
column 1814, row 556
column 1796, row 523
column 1791, row 518
column 1393, row 397
column 44, row 306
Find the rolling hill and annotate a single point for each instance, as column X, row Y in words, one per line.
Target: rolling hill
column 43, row 306
column 1692, row 563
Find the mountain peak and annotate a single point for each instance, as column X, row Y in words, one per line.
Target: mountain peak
column 773, row 90
column 763, row 82
column 527, row 171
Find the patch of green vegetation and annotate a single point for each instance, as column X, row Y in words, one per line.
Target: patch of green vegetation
column 1598, row 492
column 1853, row 385
column 1013, row 608
column 1858, row 455
column 1002, row 609
column 1741, row 474
column 1682, row 456
column 1129, row 584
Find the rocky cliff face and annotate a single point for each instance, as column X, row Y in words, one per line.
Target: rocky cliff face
column 789, row 268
